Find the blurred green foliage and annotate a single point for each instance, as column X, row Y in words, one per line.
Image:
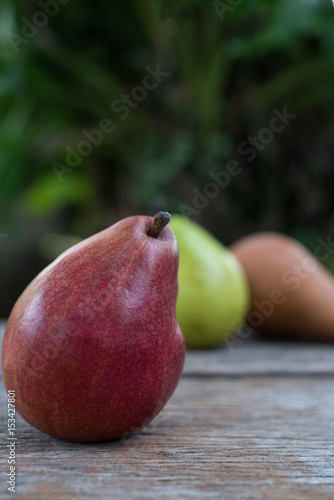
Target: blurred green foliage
column 228, row 67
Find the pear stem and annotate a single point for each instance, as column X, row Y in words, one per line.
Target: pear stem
column 161, row 219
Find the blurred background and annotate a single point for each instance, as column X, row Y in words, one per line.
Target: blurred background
column 110, row 109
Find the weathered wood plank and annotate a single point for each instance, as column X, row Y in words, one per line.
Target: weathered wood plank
column 257, row 438
column 263, row 358
column 244, row 431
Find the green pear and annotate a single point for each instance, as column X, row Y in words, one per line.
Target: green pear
column 214, row 297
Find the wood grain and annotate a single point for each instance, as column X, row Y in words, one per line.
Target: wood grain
column 255, row 422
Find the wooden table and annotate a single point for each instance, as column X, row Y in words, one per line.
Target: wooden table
column 255, row 421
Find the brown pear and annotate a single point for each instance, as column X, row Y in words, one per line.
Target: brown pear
column 292, row 292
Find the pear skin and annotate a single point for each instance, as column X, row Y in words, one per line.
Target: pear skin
column 213, row 295
column 292, row 293
column 92, row 347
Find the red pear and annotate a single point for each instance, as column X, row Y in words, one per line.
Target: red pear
column 92, row 347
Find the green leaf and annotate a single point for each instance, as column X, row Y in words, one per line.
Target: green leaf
column 47, row 194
